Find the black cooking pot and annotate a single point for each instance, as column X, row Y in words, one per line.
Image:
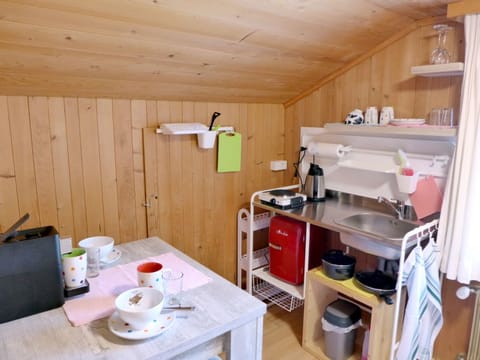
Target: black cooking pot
column 378, row 283
column 338, row 265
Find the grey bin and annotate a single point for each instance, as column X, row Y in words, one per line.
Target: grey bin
column 340, row 322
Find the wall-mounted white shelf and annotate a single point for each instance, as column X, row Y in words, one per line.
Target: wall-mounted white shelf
column 392, row 131
column 450, row 69
column 182, row 128
column 188, row 128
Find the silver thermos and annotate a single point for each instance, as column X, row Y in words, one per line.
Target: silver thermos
column 315, row 184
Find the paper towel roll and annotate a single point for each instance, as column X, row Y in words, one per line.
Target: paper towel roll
column 327, row 150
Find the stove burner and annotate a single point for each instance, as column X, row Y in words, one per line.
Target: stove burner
column 282, row 192
column 282, row 199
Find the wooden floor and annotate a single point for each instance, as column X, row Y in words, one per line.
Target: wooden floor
column 282, row 335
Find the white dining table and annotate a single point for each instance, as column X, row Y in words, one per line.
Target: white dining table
column 226, row 320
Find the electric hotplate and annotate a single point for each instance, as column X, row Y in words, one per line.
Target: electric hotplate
column 282, row 199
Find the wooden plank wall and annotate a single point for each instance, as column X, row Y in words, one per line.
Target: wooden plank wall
column 78, row 164
column 384, row 79
column 197, row 197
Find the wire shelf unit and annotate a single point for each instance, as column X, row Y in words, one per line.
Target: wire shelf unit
column 269, row 292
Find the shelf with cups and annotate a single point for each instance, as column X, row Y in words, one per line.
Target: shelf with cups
column 418, row 132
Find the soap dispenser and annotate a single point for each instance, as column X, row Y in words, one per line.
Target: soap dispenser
column 315, row 184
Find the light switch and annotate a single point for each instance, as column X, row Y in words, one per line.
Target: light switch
column 278, row 165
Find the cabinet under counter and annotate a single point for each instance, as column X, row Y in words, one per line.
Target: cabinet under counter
column 321, row 291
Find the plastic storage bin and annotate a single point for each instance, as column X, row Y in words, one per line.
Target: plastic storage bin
column 340, row 321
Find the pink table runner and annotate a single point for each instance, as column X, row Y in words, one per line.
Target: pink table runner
column 100, row 301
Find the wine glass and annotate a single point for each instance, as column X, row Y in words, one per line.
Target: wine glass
column 440, row 54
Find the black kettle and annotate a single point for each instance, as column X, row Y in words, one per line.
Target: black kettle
column 315, row 184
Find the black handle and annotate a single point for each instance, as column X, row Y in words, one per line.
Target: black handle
column 214, row 116
column 387, row 298
column 12, row 230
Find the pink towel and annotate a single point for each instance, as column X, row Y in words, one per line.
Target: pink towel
column 100, row 301
column 427, row 199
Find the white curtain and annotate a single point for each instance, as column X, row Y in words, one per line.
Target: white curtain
column 459, row 227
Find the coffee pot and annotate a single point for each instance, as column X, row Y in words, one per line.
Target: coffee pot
column 315, row 184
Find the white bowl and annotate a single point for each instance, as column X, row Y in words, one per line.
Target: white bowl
column 104, row 243
column 139, row 306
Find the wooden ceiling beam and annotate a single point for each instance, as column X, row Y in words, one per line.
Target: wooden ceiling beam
column 462, row 8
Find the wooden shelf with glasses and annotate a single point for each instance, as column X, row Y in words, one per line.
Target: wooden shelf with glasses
column 437, row 70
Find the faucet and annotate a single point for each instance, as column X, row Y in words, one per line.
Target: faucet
column 396, row 205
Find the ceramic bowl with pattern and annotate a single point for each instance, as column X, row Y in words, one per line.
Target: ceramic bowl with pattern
column 139, row 306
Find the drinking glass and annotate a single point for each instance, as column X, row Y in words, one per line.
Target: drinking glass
column 447, row 117
column 440, row 54
column 435, row 118
column 173, row 286
column 93, row 262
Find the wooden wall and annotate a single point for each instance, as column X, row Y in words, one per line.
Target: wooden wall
column 78, row 164
column 384, row 79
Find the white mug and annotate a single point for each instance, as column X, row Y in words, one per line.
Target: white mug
column 386, row 115
column 149, row 274
column 371, row 116
column 74, row 267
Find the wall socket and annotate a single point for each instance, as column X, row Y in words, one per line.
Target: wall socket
column 278, row 165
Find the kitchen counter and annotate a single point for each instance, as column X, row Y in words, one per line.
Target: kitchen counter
column 323, row 214
column 226, row 318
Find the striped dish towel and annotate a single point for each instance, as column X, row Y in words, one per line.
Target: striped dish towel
column 432, row 321
column 414, row 277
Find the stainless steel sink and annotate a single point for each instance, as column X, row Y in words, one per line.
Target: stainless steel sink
column 378, row 225
column 375, row 233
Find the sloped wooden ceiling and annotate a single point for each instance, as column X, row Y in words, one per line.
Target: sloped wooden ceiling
column 205, row 50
